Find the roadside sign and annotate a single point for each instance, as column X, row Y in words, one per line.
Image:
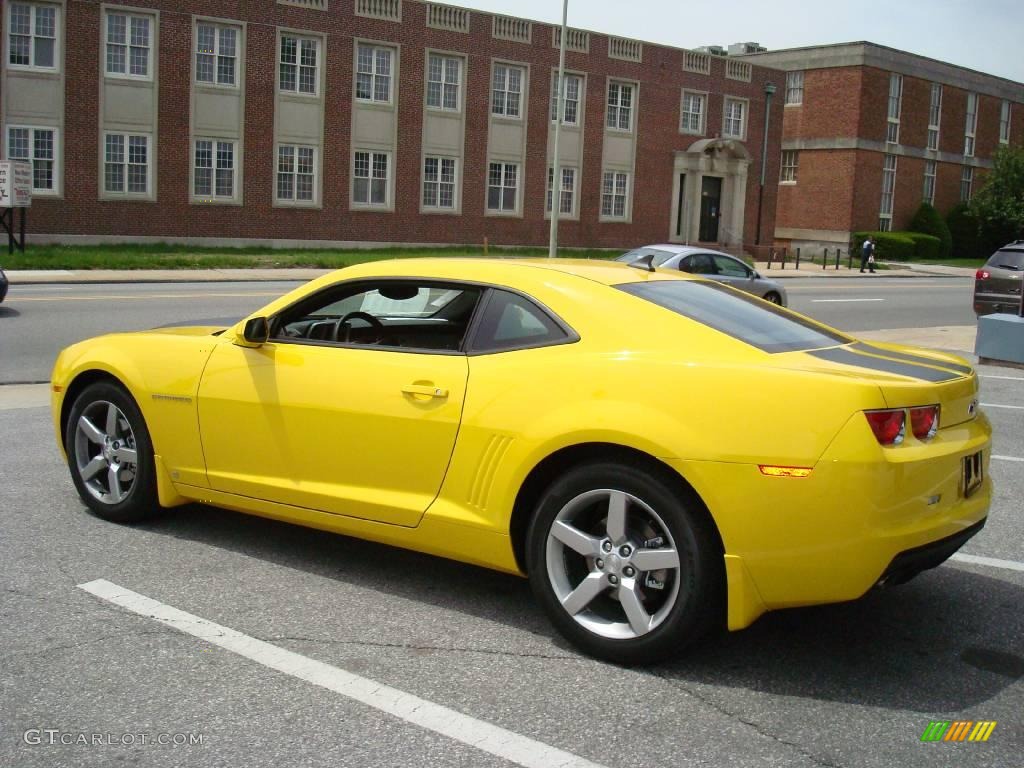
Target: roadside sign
column 15, row 184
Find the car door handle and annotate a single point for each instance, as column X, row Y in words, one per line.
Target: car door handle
column 424, row 390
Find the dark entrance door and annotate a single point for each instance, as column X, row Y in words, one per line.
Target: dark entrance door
column 710, row 208
column 680, row 206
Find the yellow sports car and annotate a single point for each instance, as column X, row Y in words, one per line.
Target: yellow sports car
column 658, row 453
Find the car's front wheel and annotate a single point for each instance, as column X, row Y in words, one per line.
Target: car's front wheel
column 624, row 563
column 773, row 297
column 110, row 454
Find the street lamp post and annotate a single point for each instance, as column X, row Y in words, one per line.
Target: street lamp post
column 556, row 170
column 769, row 90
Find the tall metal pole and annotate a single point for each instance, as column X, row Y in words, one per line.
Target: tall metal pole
column 556, row 170
column 769, row 89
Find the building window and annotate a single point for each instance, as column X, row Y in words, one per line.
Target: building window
column 129, row 47
column 502, row 187
column 928, row 195
column 444, row 74
column 620, row 106
column 296, row 174
column 39, row 147
column 888, row 187
column 614, row 191
column 567, row 198
column 971, row 124
column 373, row 73
column 214, row 169
column 734, row 123
column 126, row 164
column 892, row 135
column 571, row 113
column 370, row 178
column 439, row 183
column 966, row 182
column 693, row 112
column 1004, row 123
column 934, row 117
column 790, row 159
column 216, row 54
column 795, row 87
column 32, row 36
column 300, row 59
column 507, row 90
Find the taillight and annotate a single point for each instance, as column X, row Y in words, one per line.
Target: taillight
column 924, row 421
column 982, row 274
column 889, row 426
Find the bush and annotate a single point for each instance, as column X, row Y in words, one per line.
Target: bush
column 929, row 221
column 964, row 229
column 889, row 246
column 926, row 247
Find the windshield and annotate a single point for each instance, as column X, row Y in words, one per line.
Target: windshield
column 1007, row 259
column 660, row 256
column 736, row 314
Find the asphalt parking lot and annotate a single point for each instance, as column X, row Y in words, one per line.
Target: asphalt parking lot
column 325, row 650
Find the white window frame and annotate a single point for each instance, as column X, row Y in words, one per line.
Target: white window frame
column 444, row 83
column 55, row 190
column 703, row 117
column 387, row 205
column 573, row 192
column 299, row 39
column 617, row 108
column 214, row 197
column 507, row 94
column 794, row 88
column 895, row 108
column 218, row 27
column 578, row 101
column 971, row 124
column 438, row 183
column 294, row 201
column 966, row 183
column 126, row 165
column 789, row 166
column 744, row 117
column 615, row 194
column 32, row 37
column 501, row 210
column 1005, row 117
column 374, row 73
column 886, row 204
column 152, row 19
column 935, row 117
column 930, row 174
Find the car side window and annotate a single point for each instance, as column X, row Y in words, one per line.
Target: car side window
column 700, row 264
column 402, row 314
column 730, row 267
column 511, row 321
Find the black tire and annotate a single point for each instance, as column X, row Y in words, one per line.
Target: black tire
column 773, row 297
column 698, row 604
column 134, row 496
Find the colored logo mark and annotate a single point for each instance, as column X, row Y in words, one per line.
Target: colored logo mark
column 958, row 730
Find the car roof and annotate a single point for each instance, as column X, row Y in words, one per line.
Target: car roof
column 684, row 250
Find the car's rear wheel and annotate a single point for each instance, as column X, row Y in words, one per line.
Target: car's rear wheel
column 626, row 567
column 773, row 297
column 110, row 454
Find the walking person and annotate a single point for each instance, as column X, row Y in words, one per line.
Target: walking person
column 867, row 255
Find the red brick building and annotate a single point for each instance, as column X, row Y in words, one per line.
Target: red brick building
column 869, row 132
column 372, row 121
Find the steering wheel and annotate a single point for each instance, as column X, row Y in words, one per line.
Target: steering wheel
column 367, row 318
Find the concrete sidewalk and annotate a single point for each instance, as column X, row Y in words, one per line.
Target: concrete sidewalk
column 893, row 269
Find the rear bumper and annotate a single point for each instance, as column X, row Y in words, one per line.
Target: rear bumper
column 988, row 304
column 906, row 565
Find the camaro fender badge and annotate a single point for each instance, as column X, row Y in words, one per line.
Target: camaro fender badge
column 174, row 398
column 972, row 408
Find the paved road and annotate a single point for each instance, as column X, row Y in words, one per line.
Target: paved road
column 37, row 321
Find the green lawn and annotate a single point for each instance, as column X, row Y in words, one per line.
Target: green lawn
column 163, row 256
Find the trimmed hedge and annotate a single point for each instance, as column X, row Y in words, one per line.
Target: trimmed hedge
column 926, row 247
column 929, row 221
column 889, row 246
column 964, row 228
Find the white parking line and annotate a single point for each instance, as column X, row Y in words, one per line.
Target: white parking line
column 1004, row 378
column 1008, row 458
column 486, row 737
column 840, row 301
column 997, row 405
column 991, row 562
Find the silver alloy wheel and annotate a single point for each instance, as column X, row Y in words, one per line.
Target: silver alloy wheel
column 613, row 564
column 106, row 457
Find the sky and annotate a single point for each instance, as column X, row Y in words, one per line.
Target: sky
column 986, row 35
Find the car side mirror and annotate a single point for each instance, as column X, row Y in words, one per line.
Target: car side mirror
column 755, row 275
column 255, row 333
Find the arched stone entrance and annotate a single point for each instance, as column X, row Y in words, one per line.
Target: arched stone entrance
column 709, row 192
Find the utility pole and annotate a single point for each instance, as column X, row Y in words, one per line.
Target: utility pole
column 556, row 169
column 769, row 90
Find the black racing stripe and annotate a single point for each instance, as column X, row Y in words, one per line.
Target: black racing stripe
column 919, row 359
column 846, row 357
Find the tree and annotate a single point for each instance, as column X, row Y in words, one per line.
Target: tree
column 929, row 221
column 963, row 228
column 999, row 205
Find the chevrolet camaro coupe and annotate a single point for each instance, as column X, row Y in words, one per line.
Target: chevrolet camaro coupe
column 658, row 453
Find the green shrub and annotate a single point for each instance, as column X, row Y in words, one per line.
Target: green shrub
column 963, row 227
column 929, row 221
column 926, row 247
column 889, row 246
